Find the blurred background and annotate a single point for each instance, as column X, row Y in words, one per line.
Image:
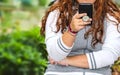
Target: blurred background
column 22, row 48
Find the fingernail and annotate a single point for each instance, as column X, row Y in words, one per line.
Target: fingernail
column 85, row 13
column 90, row 19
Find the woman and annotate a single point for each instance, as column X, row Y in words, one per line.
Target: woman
column 74, row 46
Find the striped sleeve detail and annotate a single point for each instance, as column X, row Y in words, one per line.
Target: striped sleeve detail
column 91, row 60
column 62, row 46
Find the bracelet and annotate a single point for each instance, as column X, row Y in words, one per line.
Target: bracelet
column 72, row 32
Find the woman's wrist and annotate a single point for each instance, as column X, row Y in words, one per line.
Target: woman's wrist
column 74, row 33
column 66, row 61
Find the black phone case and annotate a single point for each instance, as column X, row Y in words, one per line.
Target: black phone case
column 86, row 8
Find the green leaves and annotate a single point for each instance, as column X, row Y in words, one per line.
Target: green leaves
column 43, row 2
column 21, row 50
column 116, row 66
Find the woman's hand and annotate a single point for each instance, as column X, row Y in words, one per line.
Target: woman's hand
column 62, row 62
column 77, row 23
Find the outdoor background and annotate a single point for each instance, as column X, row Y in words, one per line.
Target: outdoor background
column 22, row 48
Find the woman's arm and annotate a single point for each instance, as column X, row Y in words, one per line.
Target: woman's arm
column 109, row 53
column 59, row 45
column 77, row 61
column 56, row 48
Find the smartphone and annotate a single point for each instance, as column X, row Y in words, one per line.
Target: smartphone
column 86, row 8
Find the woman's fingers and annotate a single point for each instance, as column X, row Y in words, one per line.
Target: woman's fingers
column 51, row 60
column 62, row 62
column 78, row 16
column 81, row 22
column 78, row 23
column 84, row 23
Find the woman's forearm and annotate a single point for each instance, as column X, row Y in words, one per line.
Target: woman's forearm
column 68, row 39
column 78, row 61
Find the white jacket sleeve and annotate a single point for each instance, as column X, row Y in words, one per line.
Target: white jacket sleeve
column 110, row 49
column 56, row 49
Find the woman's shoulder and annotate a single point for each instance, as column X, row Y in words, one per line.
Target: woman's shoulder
column 53, row 14
column 56, row 11
column 110, row 21
column 111, row 18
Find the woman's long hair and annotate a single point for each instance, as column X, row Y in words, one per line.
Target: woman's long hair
column 67, row 10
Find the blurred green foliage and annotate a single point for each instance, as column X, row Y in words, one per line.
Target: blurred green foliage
column 117, row 2
column 22, row 53
column 26, row 2
column 116, row 66
column 3, row 0
column 43, row 2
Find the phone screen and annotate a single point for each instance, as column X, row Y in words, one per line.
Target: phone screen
column 86, row 8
